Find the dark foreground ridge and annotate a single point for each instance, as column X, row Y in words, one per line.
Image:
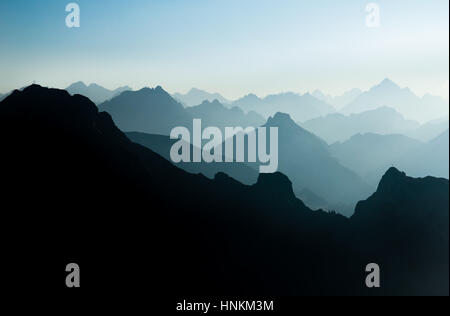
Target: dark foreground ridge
column 77, row 190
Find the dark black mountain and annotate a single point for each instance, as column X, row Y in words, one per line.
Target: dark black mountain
column 411, row 216
column 151, row 111
column 216, row 114
column 77, row 190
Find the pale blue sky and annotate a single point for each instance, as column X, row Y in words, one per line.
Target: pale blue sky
column 230, row 46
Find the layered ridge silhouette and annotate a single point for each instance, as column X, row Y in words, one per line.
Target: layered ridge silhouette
column 81, row 191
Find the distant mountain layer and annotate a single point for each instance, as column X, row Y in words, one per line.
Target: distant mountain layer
column 387, row 93
column 196, row 97
column 306, row 159
column 370, row 155
column 96, row 93
column 338, row 102
column 154, row 111
column 338, row 127
column 429, row 130
column 185, row 233
column 151, row 111
column 216, row 114
column 299, row 107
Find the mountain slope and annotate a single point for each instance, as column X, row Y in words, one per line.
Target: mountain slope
column 96, row 93
column 216, row 114
column 162, row 144
column 299, row 107
column 387, row 93
column 82, row 192
column 429, row 130
column 338, row 127
column 430, row 159
column 399, row 208
column 197, row 96
column 306, row 159
column 338, row 102
column 151, row 111
column 369, row 152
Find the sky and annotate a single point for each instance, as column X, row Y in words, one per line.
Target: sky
column 234, row 47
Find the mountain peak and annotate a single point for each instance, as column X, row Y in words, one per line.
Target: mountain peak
column 277, row 183
column 388, row 83
column 391, row 179
column 281, row 120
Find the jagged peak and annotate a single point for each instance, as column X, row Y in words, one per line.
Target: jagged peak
column 276, row 182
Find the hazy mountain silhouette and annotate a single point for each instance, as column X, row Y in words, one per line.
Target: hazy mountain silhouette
column 430, row 159
column 429, row 130
column 151, row 111
column 368, row 152
column 387, row 93
column 338, row 102
column 299, row 107
column 306, row 160
column 82, row 192
column 197, row 96
column 2, row 96
column 338, row 127
column 216, row 114
column 162, row 144
column 370, row 155
column 96, row 93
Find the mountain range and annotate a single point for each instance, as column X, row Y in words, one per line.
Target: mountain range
column 371, row 154
column 151, row 111
column 197, row 96
column 95, row 92
column 388, row 93
column 339, row 127
column 216, row 114
column 307, row 161
column 338, row 102
column 299, row 107
column 83, row 192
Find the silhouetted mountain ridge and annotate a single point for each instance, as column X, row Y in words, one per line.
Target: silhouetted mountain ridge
column 82, row 192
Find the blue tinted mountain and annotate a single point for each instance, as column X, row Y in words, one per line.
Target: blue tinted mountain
column 197, row 96
column 370, row 155
column 151, row 111
column 338, row 102
column 96, row 93
column 339, row 127
column 365, row 153
column 216, row 114
column 387, row 93
column 299, row 107
column 307, row 161
column 429, row 130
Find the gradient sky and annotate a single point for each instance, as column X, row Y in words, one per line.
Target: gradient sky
column 230, row 46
